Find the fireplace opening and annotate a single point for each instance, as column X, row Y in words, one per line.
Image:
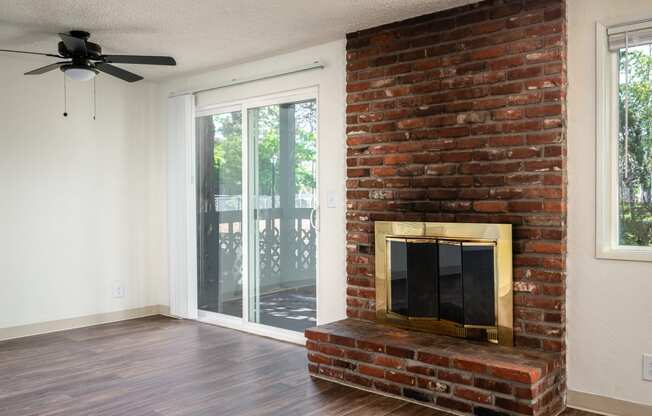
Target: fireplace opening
column 453, row 279
column 442, row 279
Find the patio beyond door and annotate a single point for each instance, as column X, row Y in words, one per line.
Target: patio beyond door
column 257, row 213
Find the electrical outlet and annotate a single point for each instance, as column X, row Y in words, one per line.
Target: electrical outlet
column 118, row 289
column 647, row 367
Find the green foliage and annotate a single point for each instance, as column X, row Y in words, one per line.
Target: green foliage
column 266, row 131
column 635, row 148
column 227, row 151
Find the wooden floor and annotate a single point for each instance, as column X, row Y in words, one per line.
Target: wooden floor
column 161, row 366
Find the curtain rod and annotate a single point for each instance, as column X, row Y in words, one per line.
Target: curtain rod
column 629, row 27
column 236, row 81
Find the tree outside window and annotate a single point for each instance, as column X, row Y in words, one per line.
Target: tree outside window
column 635, row 147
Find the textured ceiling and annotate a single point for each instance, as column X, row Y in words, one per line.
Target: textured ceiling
column 200, row 34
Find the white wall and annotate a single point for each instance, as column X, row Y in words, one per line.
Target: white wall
column 331, row 147
column 609, row 302
column 80, row 207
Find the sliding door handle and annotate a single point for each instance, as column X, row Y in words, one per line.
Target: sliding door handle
column 314, row 221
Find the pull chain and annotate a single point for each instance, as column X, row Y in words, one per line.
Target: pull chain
column 94, row 100
column 65, row 97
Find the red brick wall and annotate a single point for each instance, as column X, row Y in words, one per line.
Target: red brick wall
column 459, row 116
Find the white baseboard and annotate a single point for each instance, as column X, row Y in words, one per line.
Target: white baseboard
column 606, row 405
column 164, row 310
column 82, row 321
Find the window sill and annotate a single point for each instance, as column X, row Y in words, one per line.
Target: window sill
column 626, row 253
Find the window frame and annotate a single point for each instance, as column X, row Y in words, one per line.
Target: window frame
column 607, row 127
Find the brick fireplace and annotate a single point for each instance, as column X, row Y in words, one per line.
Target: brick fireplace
column 458, row 116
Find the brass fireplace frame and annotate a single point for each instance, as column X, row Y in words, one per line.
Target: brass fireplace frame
column 499, row 235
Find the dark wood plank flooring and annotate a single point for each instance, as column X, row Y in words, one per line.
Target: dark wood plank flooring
column 161, row 366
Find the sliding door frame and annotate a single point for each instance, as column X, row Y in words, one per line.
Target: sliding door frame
column 248, row 243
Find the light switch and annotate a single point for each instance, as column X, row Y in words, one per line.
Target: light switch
column 647, row 367
column 331, row 199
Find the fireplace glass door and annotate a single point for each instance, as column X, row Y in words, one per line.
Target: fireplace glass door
column 442, row 280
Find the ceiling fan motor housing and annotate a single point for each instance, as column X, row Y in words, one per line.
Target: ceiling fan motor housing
column 93, row 51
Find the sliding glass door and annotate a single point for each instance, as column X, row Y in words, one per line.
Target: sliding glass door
column 219, row 212
column 283, row 278
column 257, row 212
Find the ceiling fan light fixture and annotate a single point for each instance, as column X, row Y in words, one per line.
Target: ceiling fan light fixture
column 79, row 73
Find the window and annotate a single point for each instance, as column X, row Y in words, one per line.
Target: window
column 624, row 147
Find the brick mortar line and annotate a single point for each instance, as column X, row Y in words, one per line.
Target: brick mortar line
column 457, row 176
column 370, row 66
column 455, row 166
column 451, row 113
column 508, row 43
column 358, row 133
column 447, row 187
column 401, row 131
column 489, row 198
column 433, row 142
column 484, row 199
column 557, row 76
column 430, row 129
column 493, row 162
column 528, row 214
column 426, row 142
column 461, row 100
column 387, row 100
column 489, row 122
column 453, row 139
column 472, row 74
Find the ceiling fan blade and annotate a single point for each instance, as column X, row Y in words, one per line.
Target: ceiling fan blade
column 31, row 53
column 46, row 68
column 75, row 46
column 117, row 72
column 139, row 59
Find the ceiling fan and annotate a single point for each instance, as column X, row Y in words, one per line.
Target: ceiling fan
column 85, row 59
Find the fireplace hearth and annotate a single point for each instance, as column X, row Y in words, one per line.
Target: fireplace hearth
column 459, row 375
column 446, row 278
